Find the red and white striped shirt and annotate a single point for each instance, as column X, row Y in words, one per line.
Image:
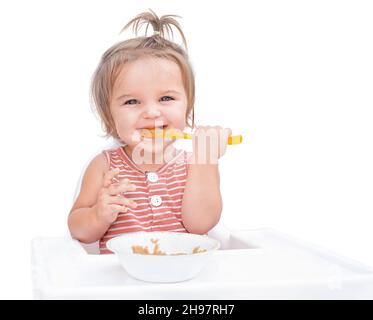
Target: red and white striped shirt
column 158, row 196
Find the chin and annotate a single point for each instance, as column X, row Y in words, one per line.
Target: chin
column 154, row 146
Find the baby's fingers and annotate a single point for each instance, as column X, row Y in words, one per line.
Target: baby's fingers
column 124, row 202
column 227, row 132
column 115, row 208
column 121, row 187
column 109, row 175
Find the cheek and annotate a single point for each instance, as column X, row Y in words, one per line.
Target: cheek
column 181, row 123
column 123, row 122
column 179, row 117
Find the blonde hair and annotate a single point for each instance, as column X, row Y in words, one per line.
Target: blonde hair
column 156, row 46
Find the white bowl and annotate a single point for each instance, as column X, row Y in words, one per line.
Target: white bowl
column 163, row 268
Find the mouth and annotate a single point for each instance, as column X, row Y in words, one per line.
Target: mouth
column 152, row 132
column 163, row 127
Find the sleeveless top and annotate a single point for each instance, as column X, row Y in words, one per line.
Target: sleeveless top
column 158, row 196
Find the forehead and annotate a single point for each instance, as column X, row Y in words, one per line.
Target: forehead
column 147, row 73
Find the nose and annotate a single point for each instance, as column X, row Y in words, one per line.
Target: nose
column 151, row 111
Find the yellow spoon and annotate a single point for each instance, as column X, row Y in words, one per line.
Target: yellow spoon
column 174, row 134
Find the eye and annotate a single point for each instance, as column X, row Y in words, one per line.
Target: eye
column 132, row 101
column 168, row 98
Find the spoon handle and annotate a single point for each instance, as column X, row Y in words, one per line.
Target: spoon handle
column 232, row 140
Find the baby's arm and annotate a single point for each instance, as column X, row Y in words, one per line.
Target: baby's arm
column 202, row 202
column 98, row 204
column 82, row 220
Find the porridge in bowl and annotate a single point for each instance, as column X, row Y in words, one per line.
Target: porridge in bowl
column 163, row 256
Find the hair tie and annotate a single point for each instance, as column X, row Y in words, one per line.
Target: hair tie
column 156, row 33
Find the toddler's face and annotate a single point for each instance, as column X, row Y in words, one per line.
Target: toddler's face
column 148, row 93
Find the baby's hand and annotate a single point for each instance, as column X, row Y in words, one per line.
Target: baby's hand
column 210, row 143
column 110, row 201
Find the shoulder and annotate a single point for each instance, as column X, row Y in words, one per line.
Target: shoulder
column 92, row 181
column 97, row 166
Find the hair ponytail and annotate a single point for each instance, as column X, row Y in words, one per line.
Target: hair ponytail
column 160, row 25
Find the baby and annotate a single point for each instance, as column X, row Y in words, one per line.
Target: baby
column 147, row 184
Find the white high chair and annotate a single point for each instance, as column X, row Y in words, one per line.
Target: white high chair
column 219, row 232
column 255, row 264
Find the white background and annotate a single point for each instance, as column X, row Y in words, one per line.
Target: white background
column 293, row 77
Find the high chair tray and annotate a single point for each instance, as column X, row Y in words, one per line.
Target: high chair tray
column 258, row 264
